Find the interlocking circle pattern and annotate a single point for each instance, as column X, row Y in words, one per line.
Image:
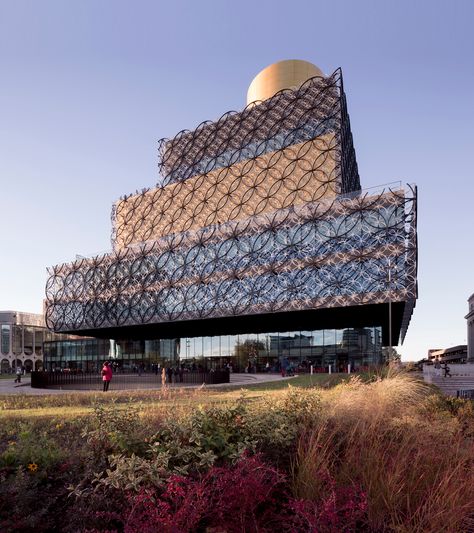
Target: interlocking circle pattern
column 258, row 212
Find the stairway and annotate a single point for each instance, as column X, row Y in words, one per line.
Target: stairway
column 450, row 385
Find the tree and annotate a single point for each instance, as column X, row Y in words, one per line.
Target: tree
column 247, row 350
column 391, row 356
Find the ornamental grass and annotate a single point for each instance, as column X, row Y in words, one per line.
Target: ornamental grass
column 384, row 455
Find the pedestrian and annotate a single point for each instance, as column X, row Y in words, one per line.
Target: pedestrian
column 169, row 372
column 447, row 370
column 19, row 372
column 106, row 375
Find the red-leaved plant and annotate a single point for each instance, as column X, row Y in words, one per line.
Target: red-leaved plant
column 243, row 497
column 249, row 496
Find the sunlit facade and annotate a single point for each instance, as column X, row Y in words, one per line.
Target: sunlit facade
column 256, row 244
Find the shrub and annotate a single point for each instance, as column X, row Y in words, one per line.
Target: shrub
column 387, row 455
column 243, row 497
column 207, row 436
column 342, row 509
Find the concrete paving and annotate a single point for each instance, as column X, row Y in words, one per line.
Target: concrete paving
column 7, row 386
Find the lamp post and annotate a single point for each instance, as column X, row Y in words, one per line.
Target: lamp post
column 390, row 307
column 391, row 275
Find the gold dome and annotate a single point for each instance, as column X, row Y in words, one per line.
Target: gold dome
column 287, row 74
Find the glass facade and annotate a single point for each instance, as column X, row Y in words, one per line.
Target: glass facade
column 359, row 347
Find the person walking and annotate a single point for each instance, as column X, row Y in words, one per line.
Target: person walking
column 19, row 372
column 447, row 370
column 106, row 375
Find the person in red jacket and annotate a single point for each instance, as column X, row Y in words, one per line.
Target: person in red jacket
column 106, row 375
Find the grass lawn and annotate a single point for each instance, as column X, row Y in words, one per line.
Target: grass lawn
column 75, row 404
column 305, row 381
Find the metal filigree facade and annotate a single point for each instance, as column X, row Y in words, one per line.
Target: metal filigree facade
column 292, row 149
column 258, row 212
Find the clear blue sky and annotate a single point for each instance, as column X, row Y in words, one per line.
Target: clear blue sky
column 88, row 87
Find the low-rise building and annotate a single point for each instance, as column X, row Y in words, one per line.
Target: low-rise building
column 455, row 354
column 22, row 338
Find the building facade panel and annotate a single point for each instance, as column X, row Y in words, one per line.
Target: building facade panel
column 292, row 176
column 259, row 214
column 344, row 252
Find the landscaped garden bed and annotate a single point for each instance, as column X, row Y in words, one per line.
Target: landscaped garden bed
column 382, row 455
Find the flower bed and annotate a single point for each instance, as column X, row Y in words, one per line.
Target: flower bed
column 388, row 455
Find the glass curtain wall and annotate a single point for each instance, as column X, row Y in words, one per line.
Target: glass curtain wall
column 359, row 347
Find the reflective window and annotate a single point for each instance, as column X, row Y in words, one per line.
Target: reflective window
column 28, row 340
column 5, row 333
column 330, row 348
column 306, row 345
column 185, row 348
column 206, row 346
column 233, row 340
column 17, row 340
column 225, row 346
column 39, row 338
column 359, row 347
column 198, row 348
column 215, row 350
column 272, row 342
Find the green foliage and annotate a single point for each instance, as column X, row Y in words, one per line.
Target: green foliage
column 29, row 446
column 408, row 450
column 206, row 436
column 304, row 381
column 112, row 429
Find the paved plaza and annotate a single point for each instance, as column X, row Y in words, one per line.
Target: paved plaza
column 7, row 386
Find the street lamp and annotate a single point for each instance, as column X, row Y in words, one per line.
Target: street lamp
column 389, row 307
column 390, row 301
